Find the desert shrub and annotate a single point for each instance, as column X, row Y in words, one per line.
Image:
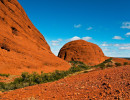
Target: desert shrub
column 58, row 75
column 96, row 66
column 25, row 84
column 74, row 69
column 78, row 66
column 109, row 65
column 76, row 62
column 2, row 85
column 6, row 75
column 118, row 64
column 84, row 67
column 27, row 79
column 9, row 86
column 108, row 60
column 125, row 63
column 102, row 66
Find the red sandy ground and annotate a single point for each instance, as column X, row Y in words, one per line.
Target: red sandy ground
column 107, row 84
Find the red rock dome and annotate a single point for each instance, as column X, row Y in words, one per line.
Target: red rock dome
column 22, row 46
column 80, row 50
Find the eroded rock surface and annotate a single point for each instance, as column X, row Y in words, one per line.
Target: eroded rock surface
column 22, row 46
column 80, row 50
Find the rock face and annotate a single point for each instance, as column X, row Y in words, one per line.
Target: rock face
column 22, row 46
column 83, row 51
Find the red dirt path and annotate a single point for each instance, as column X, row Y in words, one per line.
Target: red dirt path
column 108, row 84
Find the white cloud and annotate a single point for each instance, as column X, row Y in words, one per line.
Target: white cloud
column 116, row 45
column 89, row 28
column 105, row 49
column 117, row 38
column 56, row 42
column 126, row 44
column 87, row 38
column 55, row 51
column 116, row 50
column 77, row 26
column 105, row 44
column 126, row 25
column 127, row 34
column 124, row 48
column 75, row 38
column 60, row 40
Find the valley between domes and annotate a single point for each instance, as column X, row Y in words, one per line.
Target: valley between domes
column 83, row 71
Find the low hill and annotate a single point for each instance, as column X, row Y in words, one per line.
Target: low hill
column 80, row 50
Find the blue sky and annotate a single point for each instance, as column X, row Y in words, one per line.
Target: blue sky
column 103, row 22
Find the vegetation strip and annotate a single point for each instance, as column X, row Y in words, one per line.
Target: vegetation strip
column 27, row 79
column 6, row 75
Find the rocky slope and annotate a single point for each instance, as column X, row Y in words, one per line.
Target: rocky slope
column 108, row 84
column 22, row 46
column 121, row 60
column 83, row 51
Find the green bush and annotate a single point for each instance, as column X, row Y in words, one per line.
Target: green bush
column 102, row 66
column 108, row 60
column 109, row 65
column 27, row 79
column 6, row 75
column 76, row 62
column 118, row 64
column 74, row 69
column 125, row 63
column 2, row 85
column 78, row 65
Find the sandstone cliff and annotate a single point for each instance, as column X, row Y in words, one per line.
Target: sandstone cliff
column 22, row 46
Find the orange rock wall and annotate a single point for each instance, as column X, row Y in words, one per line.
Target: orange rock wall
column 22, row 46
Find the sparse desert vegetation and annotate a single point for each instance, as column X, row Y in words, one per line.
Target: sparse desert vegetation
column 118, row 64
column 125, row 63
column 34, row 78
column 86, row 55
column 27, row 79
column 99, row 84
column 6, row 75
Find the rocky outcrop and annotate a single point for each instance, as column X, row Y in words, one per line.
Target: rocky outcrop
column 22, row 46
column 83, row 51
